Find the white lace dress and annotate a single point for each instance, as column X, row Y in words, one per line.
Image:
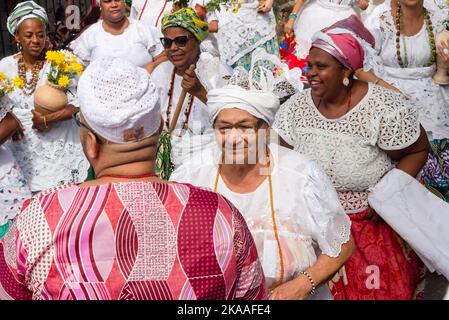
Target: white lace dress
column 309, row 217
column 14, row 189
column 316, row 15
column 138, row 44
column 50, row 158
column 430, row 99
column 350, row 148
column 242, row 32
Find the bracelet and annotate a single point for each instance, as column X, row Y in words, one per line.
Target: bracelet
column 312, row 282
column 293, row 16
column 45, row 122
column 377, row 81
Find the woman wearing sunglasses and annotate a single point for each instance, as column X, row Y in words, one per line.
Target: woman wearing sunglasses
column 183, row 33
column 117, row 36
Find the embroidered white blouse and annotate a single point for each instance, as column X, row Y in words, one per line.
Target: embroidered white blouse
column 350, row 148
column 309, row 217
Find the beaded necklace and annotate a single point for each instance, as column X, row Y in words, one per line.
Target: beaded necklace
column 403, row 63
column 187, row 111
column 275, row 229
column 29, row 86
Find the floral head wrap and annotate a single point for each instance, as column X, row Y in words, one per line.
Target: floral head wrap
column 188, row 19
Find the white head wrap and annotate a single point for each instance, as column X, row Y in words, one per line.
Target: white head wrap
column 22, row 11
column 119, row 101
column 257, row 91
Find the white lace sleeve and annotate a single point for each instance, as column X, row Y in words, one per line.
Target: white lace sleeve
column 5, row 107
column 284, row 122
column 399, row 126
column 331, row 227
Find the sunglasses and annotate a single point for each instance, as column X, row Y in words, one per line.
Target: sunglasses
column 180, row 41
column 76, row 117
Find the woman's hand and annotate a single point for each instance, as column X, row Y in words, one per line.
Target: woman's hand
column 363, row 4
column 265, row 6
column 443, row 51
column 39, row 121
column 296, row 289
column 192, row 84
column 20, row 130
column 288, row 27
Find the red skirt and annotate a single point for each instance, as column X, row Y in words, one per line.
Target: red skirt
column 382, row 266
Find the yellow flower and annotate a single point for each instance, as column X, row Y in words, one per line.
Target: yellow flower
column 66, row 67
column 2, row 76
column 18, row 82
column 64, row 81
column 77, row 67
column 55, row 57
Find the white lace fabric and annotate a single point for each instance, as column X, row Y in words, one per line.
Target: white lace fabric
column 240, row 33
column 428, row 98
column 50, row 158
column 350, row 149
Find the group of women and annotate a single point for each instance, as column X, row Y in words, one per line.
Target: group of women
column 371, row 107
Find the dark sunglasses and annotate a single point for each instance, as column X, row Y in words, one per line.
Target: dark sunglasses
column 77, row 119
column 180, row 41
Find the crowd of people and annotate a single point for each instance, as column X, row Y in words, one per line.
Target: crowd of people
column 191, row 162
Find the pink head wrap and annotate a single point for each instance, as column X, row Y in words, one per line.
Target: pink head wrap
column 344, row 40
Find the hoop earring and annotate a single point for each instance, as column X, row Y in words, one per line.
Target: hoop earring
column 346, row 82
column 19, row 46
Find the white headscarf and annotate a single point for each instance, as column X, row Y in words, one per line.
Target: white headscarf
column 261, row 104
column 22, row 11
column 119, row 101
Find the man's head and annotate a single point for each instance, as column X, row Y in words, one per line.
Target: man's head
column 120, row 117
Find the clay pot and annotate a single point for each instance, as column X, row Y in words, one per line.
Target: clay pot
column 50, row 98
column 441, row 77
column 200, row 11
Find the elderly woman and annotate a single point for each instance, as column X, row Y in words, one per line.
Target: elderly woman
column 183, row 32
column 119, row 37
column 301, row 231
column 50, row 152
column 357, row 132
column 405, row 32
column 13, row 187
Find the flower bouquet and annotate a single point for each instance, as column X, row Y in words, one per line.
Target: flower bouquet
column 52, row 96
column 8, row 85
column 287, row 50
column 441, row 76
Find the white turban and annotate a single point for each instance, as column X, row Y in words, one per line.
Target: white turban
column 261, row 104
column 119, row 101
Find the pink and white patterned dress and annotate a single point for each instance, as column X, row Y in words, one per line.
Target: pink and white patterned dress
column 134, row 240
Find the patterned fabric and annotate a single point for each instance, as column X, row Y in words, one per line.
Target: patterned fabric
column 188, row 19
column 164, row 163
column 350, row 148
column 436, row 170
column 25, row 10
column 382, row 266
column 166, row 241
column 271, row 46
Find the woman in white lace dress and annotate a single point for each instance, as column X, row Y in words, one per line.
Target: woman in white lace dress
column 310, row 16
column 357, row 132
column 50, row 152
column 302, row 233
column 239, row 33
column 14, row 189
column 410, row 69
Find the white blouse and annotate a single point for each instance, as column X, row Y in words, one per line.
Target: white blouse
column 309, row 217
column 138, row 44
column 49, row 158
column 350, row 148
column 428, row 98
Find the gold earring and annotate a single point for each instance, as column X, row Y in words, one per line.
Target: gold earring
column 19, row 47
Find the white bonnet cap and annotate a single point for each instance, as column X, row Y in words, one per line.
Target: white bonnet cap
column 119, row 101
